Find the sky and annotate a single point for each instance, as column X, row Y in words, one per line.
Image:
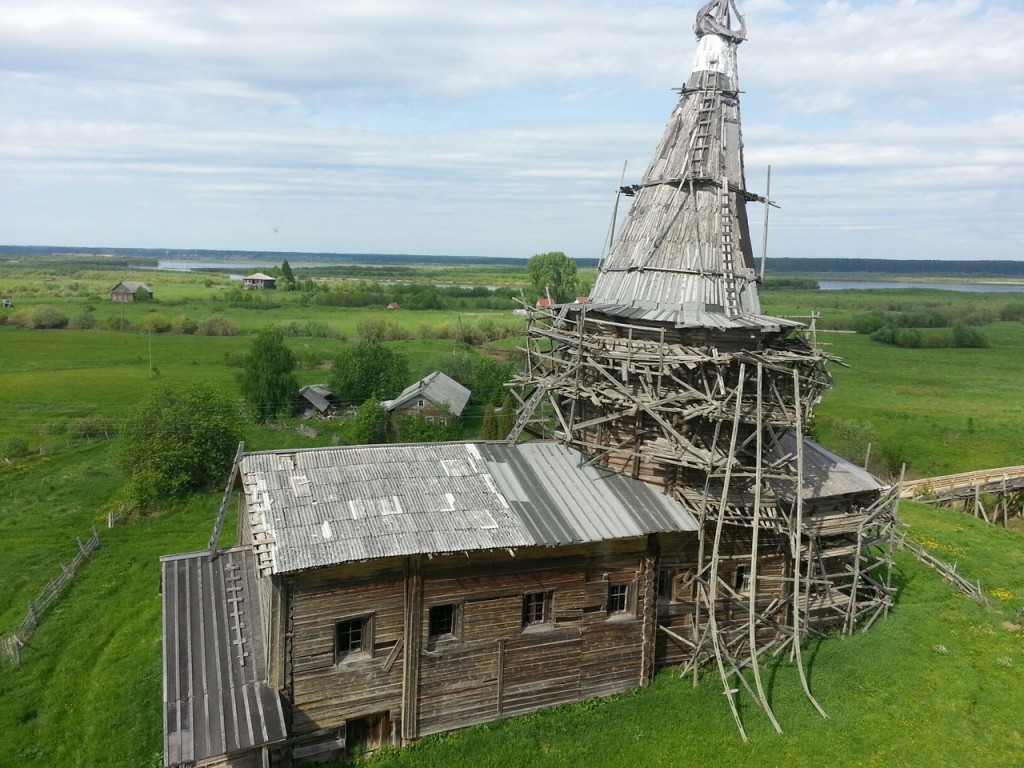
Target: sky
column 894, row 128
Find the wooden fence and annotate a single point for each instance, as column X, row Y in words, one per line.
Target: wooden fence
column 973, row 591
column 13, row 644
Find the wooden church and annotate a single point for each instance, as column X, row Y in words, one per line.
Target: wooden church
column 667, row 512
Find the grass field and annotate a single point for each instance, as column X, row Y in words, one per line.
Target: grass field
column 937, row 684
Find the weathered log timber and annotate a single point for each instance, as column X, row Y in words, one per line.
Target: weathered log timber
column 671, row 374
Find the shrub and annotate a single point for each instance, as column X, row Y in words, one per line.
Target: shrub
column 176, row 440
column 40, row 318
column 1012, row 312
column 83, row 321
column 909, row 338
column 14, row 447
column 184, row 325
column 866, row 324
column 968, row 337
column 155, row 322
column 216, row 326
column 90, row 427
column 375, row 330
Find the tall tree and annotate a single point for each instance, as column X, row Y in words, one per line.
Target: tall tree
column 178, row 439
column 287, row 277
column 368, row 369
column 371, row 424
column 553, row 273
column 268, row 379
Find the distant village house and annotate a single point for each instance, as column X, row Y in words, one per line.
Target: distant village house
column 130, row 291
column 259, row 282
column 436, row 397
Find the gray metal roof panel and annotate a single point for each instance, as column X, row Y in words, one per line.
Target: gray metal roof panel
column 335, row 505
column 216, row 700
column 825, row 473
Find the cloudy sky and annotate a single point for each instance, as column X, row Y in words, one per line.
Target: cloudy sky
column 894, row 128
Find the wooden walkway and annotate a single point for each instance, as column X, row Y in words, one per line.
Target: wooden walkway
column 1006, row 484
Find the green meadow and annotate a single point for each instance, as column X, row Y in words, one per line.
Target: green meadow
column 937, row 683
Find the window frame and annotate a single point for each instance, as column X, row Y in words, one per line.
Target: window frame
column 618, row 592
column 531, row 600
column 455, row 633
column 365, row 649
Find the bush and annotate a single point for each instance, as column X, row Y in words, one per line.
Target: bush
column 178, row 439
column 40, row 318
column 1013, row 311
column 83, row 321
column 155, row 322
column 866, row 324
column 216, row 326
column 968, row 337
column 375, row 331
column 909, row 338
column 90, row 427
column 14, row 447
column 182, row 324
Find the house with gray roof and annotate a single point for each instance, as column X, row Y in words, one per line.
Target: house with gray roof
column 436, row 397
column 259, row 282
column 127, row 291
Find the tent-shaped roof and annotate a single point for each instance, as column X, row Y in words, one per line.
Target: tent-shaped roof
column 684, row 253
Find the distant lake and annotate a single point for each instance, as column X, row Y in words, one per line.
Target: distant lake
column 174, row 265
column 860, row 285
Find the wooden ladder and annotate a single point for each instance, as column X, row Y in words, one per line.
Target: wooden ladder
column 732, row 299
column 706, row 110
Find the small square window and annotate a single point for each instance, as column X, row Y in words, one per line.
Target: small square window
column 351, row 638
column 618, row 598
column 536, row 608
column 741, row 582
column 442, row 620
column 420, row 403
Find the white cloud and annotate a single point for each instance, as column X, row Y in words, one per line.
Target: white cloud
column 492, row 126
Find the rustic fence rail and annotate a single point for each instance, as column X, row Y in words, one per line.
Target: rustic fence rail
column 12, row 644
column 973, row 591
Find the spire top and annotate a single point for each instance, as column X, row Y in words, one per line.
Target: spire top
column 715, row 18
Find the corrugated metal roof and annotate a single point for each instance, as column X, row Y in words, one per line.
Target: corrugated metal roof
column 318, row 395
column 438, row 388
column 825, row 473
column 334, row 505
column 216, row 700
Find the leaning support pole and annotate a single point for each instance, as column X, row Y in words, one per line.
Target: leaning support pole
column 730, row 692
column 796, row 539
column 752, row 596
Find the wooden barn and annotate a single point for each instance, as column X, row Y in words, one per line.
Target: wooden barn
column 382, row 593
column 128, row 291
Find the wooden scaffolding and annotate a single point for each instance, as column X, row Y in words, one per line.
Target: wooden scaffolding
column 672, row 374
column 719, row 423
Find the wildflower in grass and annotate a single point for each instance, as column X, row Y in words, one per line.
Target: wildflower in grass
column 1001, row 593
